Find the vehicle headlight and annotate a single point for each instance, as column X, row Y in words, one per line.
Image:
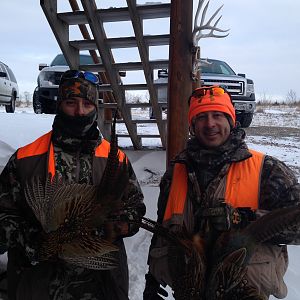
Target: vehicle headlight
column 250, row 87
column 47, row 76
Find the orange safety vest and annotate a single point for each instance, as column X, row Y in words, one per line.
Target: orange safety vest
column 242, row 185
column 43, row 144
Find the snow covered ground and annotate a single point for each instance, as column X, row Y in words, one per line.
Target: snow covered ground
column 24, row 126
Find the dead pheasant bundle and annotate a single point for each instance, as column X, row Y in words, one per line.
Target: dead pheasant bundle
column 222, row 277
column 233, row 250
column 73, row 215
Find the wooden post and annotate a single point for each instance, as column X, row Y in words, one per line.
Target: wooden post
column 180, row 68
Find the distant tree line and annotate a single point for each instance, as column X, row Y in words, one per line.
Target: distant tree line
column 25, row 99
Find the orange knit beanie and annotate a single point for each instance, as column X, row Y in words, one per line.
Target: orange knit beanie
column 210, row 98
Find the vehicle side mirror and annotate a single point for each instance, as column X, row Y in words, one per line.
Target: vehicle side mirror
column 3, row 74
column 242, row 75
column 42, row 66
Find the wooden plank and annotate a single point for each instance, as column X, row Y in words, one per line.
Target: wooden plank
column 140, row 135
column 131, row 105
column 123, row 42
column 117, row 14
column 97, row 29
column 148, row 71
column 140, row 121
column 180, row 81
column 130, row 66
column 131, row 87
column 60, row 30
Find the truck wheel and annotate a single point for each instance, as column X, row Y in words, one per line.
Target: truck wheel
column 12, row 106
column 37, row 107
column 246, row 120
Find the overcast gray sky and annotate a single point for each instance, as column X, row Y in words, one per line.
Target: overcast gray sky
column 264, row 41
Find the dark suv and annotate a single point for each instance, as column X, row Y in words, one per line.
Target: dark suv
column 9, row 91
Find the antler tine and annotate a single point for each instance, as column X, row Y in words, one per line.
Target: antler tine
column 198, row 29
column 198, row 12
column 200, row 35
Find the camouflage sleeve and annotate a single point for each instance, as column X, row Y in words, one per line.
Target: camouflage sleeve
column 164, row 187
column 280, row 188
column 10, row 215
column 135, row 205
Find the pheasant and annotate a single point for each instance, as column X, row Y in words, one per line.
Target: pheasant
column 233, row 250
column 222, row 277
column 186, row 260
column 74, row 216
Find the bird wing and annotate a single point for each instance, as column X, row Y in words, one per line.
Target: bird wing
column 114, row 181
column 274, row 223
column 72, row 205
column 39, row 196
column 233, row 250
column 105, row 262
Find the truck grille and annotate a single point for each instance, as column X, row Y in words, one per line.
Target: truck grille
column 233, row 87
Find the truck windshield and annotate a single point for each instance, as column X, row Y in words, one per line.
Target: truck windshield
column 60, row 60
column 215, row 67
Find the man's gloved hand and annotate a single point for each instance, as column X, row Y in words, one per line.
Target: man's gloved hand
column 153, row 290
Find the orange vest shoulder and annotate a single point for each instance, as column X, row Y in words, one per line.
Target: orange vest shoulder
column 243, row 182
column 38, row 147
column 242, row 185
column 103, row 150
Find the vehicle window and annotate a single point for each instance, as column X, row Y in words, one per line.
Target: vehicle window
column 225, row 70
column 60, row 60
column 216, row 67
column 3, row 69
column 11, row 75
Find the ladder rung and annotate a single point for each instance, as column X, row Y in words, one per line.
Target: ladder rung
column 131, row 105
column 130, row 66
column 139, row 121
column 131, row 87
column 123, row 42
column 140, row 135
column 118, row 14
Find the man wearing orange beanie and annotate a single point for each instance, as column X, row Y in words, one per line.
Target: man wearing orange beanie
column 215, row 188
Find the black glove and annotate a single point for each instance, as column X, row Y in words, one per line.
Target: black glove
column 153, row 290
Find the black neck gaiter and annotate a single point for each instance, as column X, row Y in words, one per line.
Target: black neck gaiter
column 75, row 126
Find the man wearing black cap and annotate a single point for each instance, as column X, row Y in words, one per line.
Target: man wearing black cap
column 75, row 152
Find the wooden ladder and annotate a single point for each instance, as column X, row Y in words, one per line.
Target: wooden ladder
column 90, row 16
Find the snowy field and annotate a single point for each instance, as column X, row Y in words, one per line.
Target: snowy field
column 24, row 126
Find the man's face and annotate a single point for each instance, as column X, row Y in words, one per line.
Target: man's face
column 77, row 106
column 212, row 128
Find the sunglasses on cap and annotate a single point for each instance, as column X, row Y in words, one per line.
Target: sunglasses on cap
column 89, row 76
column 211, row 90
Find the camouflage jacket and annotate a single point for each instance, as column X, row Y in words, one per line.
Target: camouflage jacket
column 278, row 189
column 18, row 232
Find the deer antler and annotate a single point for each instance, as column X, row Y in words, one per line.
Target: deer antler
column 198, row 29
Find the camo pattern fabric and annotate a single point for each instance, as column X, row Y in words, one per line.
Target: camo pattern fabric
column 279, row 188
column 17, row 232
column 77, row 87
